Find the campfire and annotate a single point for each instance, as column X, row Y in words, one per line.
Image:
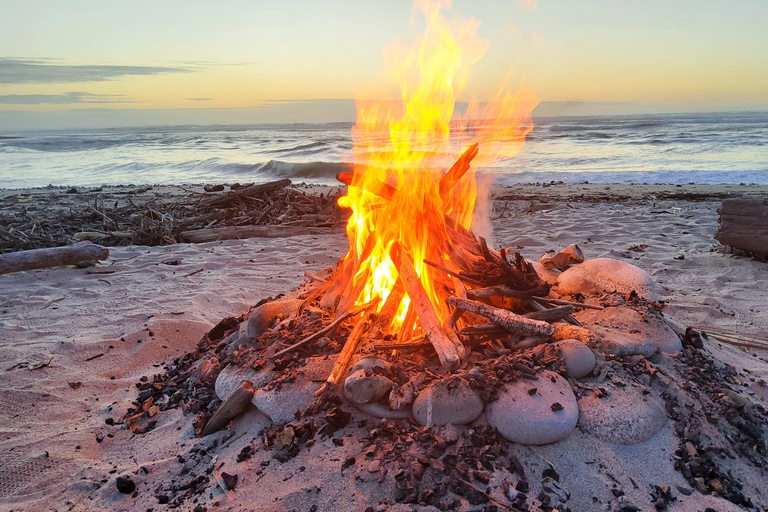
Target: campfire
column 422, row 321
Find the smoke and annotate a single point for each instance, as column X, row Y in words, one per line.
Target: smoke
column 527, row 4
column 481, row 217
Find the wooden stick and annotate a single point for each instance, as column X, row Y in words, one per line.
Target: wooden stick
column 507, row 319
column 559, row 302
column 314, row 277
column 551, row 315
column 445, row 348
column 375, row 187
column 346, row 354
column 389, row 310
column 712, row 330
column 52, row 257
column 329, row 328
column 458, row 170
column 506, row 291
column 232, row 197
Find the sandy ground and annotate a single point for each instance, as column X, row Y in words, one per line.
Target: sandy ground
column 105, row 328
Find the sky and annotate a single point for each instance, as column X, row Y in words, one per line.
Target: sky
column 102, row 63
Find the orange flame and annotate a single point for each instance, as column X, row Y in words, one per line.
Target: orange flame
column 401, row 148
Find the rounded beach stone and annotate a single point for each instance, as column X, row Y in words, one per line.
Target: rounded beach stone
column 601, row 275
column 626, row 332
column 527, row 411
column 232, row 375
column 447, row 401
column 548, row 276
column 262, row 317
column 579, row 358
column 625, row 416
column 281, row 403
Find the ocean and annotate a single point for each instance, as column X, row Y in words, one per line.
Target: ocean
column 672, row 148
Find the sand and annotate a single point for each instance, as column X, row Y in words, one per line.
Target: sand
column 108, row 326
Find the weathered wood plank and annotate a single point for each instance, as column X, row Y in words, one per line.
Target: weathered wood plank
column 744, row 224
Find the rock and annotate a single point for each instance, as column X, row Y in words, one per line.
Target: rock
column 125, row 485
column 528, row 417
column 602, row 275
column 363, row 386
column 546, row 275
column 579, row 358
column 281, row 403
column 371, row 362
column 262, row 317
column 570, row 255
column 447, row 401
column 232, row 376
column 625, row 331
column 380, row 410
column 625, row 416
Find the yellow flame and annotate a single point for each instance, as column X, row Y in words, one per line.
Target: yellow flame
column 400, row 150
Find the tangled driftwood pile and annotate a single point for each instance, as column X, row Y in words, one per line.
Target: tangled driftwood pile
column 114, row 216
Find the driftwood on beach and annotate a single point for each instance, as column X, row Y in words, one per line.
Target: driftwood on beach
column 114, row 216
column 744, row 224
column 82, row 253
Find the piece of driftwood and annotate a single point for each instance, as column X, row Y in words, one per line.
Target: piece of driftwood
column 446, row 350
column 744, row 224
column 240, row 232
column 375, row 187
column 76, row 254
column 458, row 170
column 231, row 407
column 404, row 395
column 234, row 196
column 340, row 367
column 507, row 319
column 552, row 314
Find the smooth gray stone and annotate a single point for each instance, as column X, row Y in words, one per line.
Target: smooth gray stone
column 626, row 416
column 579, row 358
column 280, row 404
column 601, row 275
column 262, row 317
column 232, row 375
column 626, row 332
column 525, row 418
column 446, row 402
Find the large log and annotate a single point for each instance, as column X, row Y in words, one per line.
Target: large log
column 239, row 232
column 744, row 224
column 446, row 350
column 79, row 253
column 232, row 197
column 507, row 319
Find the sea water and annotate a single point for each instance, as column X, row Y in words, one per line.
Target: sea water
column 670, row 148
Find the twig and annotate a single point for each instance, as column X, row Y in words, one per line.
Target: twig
column 329, row 328
column 193, row 273
column 315, row 277
column 507, row 319
column 559, row 302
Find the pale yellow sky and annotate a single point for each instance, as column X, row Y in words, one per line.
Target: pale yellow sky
column 682, row 55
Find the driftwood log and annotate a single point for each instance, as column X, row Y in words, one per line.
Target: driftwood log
column 744, row 224
column 233, row 197
column 76, row 254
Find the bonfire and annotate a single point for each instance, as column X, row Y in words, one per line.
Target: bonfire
column 426, row 323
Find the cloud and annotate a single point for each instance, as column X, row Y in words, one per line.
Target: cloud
column 527, row 4
column 61, row 99
column 25, row 71
column 198, row 99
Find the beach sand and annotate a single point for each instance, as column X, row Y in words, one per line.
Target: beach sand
column 102, row 329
